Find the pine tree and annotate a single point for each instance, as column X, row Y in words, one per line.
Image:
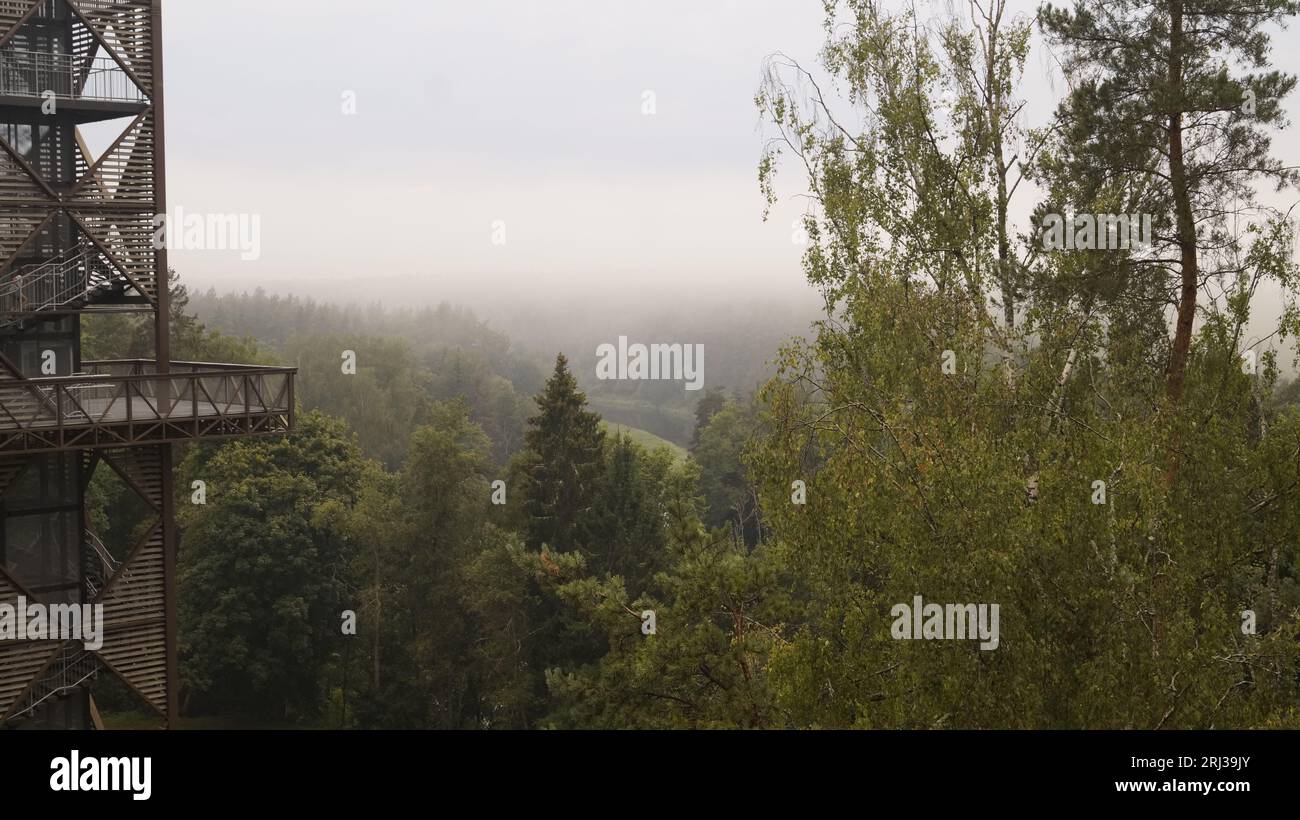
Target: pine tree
column 563, row 464
column 1157, row 123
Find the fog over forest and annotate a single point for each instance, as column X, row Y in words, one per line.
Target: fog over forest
column 741, row 364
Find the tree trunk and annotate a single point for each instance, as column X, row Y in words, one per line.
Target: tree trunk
column 1183, row 213
column 1186, row 225
column 995, row 103
column 378, row 605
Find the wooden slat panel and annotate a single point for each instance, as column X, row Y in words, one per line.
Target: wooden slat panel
column 16, row 183
column 15, row 229
column 124, row 26
column 11, row 11
column 142, row 469
column 19, row 662
column 123, row 182
column 125, row 174
column 9, row 470
column 138, row 652
column 20, row 665
column 129, row 238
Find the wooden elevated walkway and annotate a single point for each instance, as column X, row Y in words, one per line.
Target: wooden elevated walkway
column 117, row 403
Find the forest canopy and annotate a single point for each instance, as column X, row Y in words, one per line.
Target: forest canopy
column 1083, row 441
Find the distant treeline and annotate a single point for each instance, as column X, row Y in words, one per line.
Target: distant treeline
column 450, row 348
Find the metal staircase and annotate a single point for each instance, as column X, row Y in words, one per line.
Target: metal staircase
column 75, row 278
column 69, row 669
column 100, row 565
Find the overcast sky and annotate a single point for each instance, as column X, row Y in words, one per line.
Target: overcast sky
column 474, row 112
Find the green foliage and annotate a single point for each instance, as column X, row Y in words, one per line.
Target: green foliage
column 383, row 400
column 918, row 483
column 562, row 465
column 728, row 492
column 627, row 532
column 405, row 360
column 262, row 568
column 442, row 600
column 131, row 336
column 718, row 614
column 978, row 485
column 712, row 401
column 646, row 439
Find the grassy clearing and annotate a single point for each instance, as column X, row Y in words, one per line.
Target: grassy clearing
column 647, row 440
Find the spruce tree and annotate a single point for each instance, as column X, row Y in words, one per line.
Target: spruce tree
column 563, row 464
column 628, row 533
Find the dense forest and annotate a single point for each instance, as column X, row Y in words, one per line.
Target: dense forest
column 740, row 339
column 454, row 537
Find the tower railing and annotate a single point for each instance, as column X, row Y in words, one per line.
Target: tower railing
column 116, row 403
column 36, row 73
